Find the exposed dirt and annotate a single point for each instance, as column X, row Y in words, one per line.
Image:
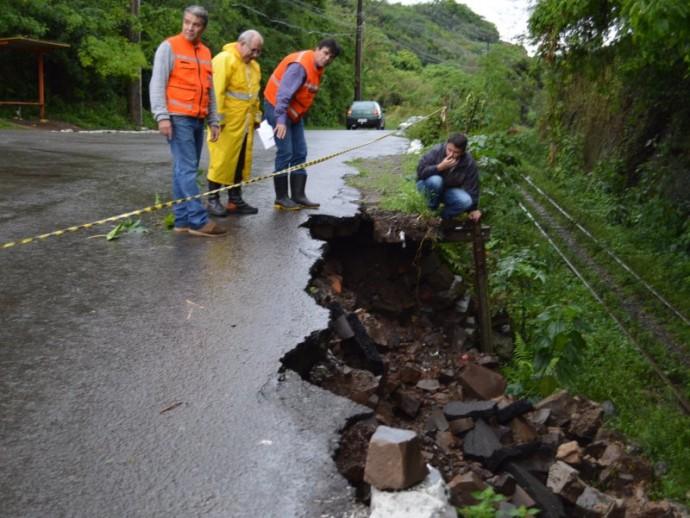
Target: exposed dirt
column 402, row 342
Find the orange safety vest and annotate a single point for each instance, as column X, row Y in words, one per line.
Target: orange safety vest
column 190, row 80
column 304, row 96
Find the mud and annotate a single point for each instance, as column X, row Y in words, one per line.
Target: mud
column 403, row 337
column 416, row 312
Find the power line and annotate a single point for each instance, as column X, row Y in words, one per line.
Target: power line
column 684, row 403
column 604, row 247
column 315, row 11
column 292, row 26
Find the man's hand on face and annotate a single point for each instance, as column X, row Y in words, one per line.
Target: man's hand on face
column 447, row 163
column 165, row 128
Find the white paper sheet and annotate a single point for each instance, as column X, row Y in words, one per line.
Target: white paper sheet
column 265, row 132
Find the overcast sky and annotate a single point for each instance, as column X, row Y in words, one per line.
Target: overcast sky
column 509, row 16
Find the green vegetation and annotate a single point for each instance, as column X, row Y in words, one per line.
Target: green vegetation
column 87, row 83
column 599, row 119
column 563, row 338
column 487, row 506
column 132, row 226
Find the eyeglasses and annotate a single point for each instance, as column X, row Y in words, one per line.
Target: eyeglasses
column 253, row 51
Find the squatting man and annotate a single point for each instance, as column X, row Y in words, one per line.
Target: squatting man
column 447, row 174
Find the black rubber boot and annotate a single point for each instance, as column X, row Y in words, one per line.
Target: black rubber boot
column 297, row 185
column 213, row 205
column 236, row 205
column 283, row 202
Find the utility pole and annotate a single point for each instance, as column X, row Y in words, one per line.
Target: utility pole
column 358, row 52
column 134, row 97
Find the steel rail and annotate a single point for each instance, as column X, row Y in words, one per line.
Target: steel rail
column 604, row 247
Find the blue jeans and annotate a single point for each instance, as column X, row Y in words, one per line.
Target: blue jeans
column 291, row 150
column 455, row 200
column 185, row 145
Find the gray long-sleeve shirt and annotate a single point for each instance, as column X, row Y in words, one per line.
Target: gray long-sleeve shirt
column 292, row 80
column 163, row 63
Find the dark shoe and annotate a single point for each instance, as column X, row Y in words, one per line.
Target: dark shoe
column 283, row 202
column 215, row 208
column 240, row 207
column 210, row 229
column 297, row 185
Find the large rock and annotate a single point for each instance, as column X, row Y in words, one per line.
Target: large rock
column 394, row 459
column 461, row 488
column 564, row 480
column 481, row 442
column 462, row 425
column 361, row 384
column 586, row 420
column 593, row 502
column 481, row 382
column 570, row 452
column 523, row 431
column 426, row 500
column 407, row 402
column 561, row 405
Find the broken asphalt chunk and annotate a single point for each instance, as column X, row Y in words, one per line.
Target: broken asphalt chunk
column 481, row 442
column 475, row 409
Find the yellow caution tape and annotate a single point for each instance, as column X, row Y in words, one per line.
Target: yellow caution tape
column 168, row 204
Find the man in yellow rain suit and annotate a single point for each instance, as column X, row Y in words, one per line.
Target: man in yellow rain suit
column 236, row 78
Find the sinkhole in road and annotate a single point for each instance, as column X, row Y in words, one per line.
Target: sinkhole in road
column 400, row 321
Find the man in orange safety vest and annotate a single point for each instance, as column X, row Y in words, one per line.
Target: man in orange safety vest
column 288, row 95
column 183, row 103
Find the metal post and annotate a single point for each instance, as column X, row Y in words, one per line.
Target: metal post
column 41, row 88
column 482, row 283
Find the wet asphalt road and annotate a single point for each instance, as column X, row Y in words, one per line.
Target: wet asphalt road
column 139, row 377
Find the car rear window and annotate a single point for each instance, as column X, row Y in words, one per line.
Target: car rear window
column 363, row 105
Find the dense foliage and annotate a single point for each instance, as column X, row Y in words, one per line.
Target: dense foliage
column 618, row 76
column 415, row 57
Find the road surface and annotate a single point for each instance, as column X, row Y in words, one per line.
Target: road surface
column 139, row 377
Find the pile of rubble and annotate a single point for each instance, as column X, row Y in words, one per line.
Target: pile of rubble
column 401, row 342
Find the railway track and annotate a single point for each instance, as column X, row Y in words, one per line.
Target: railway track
column 594, row 264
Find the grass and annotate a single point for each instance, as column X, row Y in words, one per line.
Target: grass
column 662, row 267
column 8, row 124
column 392, row 182
column 612, row 369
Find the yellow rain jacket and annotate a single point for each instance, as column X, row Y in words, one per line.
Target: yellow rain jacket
column 236, row 85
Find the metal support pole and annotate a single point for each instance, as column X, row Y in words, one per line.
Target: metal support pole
column 482, row 284
column 41, row 88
